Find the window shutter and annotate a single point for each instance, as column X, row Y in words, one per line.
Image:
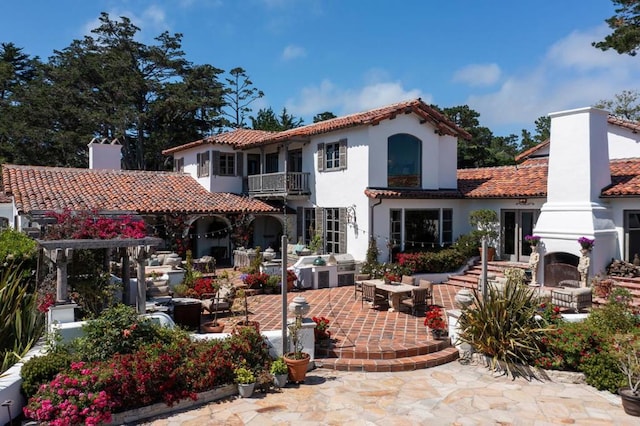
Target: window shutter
column 239, row 165
column 299, row 224
column 342, row 229
column 199, row 164
column 320, row 224
column 320, row 157
column 343, row 154
column 215, row 163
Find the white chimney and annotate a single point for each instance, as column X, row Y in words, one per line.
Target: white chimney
column 578, row 171
column 104, row 154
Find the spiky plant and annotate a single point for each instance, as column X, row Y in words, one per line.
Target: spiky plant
column 503, row 327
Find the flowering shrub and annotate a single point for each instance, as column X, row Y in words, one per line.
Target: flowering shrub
column 442, row 261
column 586, row 243
column 204, row 285
column 532, row 239
column 255, row 280
column 550, row 313
column 390, row 276
column 71, row 398
column 89, row 225
column 322, row 328
column 291, row 276
column 166, row 372
column 434, row 318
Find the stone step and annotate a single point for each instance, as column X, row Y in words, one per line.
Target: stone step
column 408, row 363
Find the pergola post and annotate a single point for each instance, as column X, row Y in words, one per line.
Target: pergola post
column 140, row 255
column 61, row 258
column 126, row 276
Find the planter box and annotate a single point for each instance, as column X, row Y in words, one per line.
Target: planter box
column 159, row 409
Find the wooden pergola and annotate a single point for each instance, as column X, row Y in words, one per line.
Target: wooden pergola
column 61, row 251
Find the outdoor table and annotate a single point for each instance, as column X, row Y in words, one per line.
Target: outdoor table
column 395, row 292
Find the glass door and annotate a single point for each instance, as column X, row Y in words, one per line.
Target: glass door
column 516, row 224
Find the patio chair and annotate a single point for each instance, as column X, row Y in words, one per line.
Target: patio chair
column 357, row 284
column 407, row 279
column 370, row 294
column 428, row 285
column 417, row 301
column 220, row 301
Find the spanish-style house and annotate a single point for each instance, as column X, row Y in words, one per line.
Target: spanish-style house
column 387, row 174
column 390, row 174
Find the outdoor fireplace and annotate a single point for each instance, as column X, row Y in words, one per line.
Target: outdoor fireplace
column 560, row 266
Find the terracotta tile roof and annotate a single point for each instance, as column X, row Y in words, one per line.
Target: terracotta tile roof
column 525, row 180
column 55, row 188
column 531, row 151
column 625, row 178
column 631, row 125
column 4, row 199
column 396, row 193
column 246, row 138
column 235, row 138
column 371, row 117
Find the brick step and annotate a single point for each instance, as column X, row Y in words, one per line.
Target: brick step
column 383, row 350
column 408, row 363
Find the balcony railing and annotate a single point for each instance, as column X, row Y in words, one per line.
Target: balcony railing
column 291, row 183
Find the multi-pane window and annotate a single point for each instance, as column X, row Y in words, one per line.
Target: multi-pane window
column 632, row 234
column 332, row 156
column 332, row 152
column 332, row 230
column 178, row 165
column 227, row 164
column 404, row 161
column 424, row 228
column 447, row 226
column 395, row 233
column 203, row 164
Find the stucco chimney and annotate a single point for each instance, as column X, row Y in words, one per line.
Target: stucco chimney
column 104, row 154
column 578, row 171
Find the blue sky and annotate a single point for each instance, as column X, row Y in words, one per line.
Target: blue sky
column 512, row 61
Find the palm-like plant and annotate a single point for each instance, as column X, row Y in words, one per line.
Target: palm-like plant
column 503, row 327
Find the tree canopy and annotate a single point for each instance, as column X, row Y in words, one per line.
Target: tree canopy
column 266, row 119
column 625, row 24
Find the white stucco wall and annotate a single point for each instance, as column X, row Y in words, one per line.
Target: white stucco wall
column 211, row 183
column 623, row 143
column 6, row 211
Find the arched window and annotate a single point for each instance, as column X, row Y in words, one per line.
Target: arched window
column 404, row 161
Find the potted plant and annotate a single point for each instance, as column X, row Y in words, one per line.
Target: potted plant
column 242, row 295
column 272, row 283
column 486, row 223
column 291, row 279
column 246, row 381
column 321, row 332
column 280, row 371
column 434, row 321
column 315, row 245
column 627, row 353
column 533, row 240
column 297, row 361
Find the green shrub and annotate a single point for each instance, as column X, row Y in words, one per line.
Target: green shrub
column 503, row 327
column 468, row 244
column 601, row 371
column 615, row 316
column 17, row 246
column 118, row 330
column 42, row 369
column 432, row 261
column 21, row 324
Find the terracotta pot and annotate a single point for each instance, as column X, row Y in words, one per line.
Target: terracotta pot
column 297, row 367
column 491, row 253
column 212, row 327
column 630, row 402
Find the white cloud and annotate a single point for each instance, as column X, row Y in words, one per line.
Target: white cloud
column 572, row 74
column 328, row 97
column 293, row 51
column 478, row 74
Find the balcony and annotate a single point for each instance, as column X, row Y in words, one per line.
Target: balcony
column 280, row 184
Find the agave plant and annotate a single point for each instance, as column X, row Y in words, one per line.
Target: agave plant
column 503, row 327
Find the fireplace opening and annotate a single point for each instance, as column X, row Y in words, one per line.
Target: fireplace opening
column 560, row 266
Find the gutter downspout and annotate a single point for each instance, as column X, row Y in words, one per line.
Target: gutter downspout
column 371, row 217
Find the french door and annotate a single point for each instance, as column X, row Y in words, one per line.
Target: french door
column 516, row 224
